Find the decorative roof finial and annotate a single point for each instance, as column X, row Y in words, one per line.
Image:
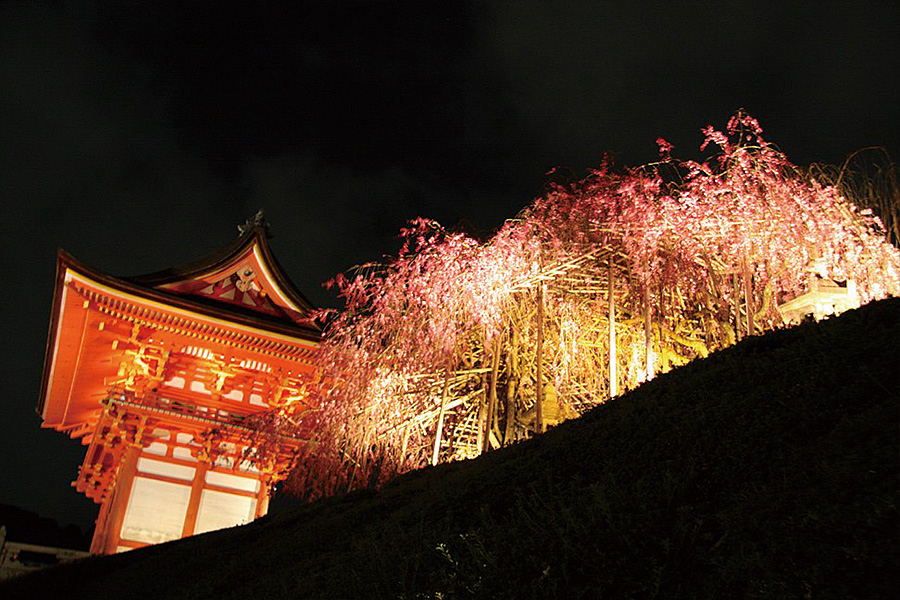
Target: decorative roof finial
column 258, row 220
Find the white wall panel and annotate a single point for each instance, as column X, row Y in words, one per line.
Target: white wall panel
column 156, row 511
column 232, row 481
column 218, row 510
column 158, row 467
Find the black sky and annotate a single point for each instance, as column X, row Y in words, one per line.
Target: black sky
column 138, row 135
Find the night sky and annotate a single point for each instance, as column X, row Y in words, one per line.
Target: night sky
column 138, row 136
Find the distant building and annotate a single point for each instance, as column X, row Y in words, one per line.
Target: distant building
column 823, row 298
column 158, row 375
column 17, row 558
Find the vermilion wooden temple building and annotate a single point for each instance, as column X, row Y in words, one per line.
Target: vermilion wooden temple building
column 158, row 375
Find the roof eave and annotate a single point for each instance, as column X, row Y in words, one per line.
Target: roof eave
column 63, row 260
column 217, row 260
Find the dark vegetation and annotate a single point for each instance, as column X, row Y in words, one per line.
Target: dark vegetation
column 768, row 470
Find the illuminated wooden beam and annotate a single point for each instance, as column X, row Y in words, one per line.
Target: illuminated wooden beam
column 613, row 375
column 539, row 358
column 648, row 337
column 440, row 422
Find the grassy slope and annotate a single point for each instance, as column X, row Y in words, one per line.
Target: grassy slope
column 767, row 470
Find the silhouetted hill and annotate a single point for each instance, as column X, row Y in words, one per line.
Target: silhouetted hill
column 768, row 470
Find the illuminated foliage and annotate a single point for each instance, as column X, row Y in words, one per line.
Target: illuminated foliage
column 444, row 351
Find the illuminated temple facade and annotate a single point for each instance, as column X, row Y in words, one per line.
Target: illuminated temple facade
column 160, row 377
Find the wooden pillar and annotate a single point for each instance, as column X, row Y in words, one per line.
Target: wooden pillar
column 190, row 517
column 120, row 499
column 539, row 380
column 440, row 423
column 613, row 375
column 262, row 497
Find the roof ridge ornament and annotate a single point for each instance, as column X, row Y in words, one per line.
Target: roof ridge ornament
column 257, row 220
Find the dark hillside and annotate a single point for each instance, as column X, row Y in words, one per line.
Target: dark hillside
column 769, row 470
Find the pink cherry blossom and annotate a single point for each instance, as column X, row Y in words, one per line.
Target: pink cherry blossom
column 433, row 341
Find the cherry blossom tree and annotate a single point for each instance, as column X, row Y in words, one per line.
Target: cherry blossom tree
column 455, row 347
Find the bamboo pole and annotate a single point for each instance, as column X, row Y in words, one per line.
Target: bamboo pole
column 512, row 383
column 483, row 408
column 737, row 306
column 613, row 375
column 661, row 319
column 440, row 423
column 481, row 420
column 492, row 395
column 539, row 382
column 648, row 338
column 748, row 295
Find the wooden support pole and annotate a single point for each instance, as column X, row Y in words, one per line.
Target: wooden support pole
column 512, row 383
column 649, row 370
column 663, row 355
column 736, row 293
column 539, row 381
column 492, row 396
column 613, row 375
column 748, row 295
column 509, row 429
column 482, row 418
column 440, row 422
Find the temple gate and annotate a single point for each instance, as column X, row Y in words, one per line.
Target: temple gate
column 161, row 377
